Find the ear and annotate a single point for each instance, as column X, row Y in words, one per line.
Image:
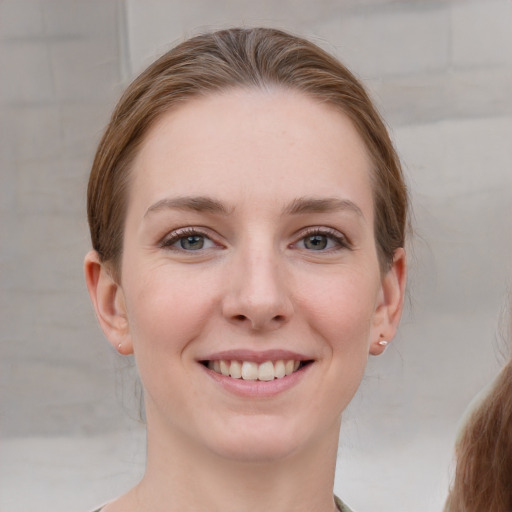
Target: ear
column 108, row 300
column 390, row 304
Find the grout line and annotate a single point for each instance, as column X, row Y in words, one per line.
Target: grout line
column 125, row 68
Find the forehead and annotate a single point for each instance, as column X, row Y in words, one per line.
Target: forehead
column 273, row 145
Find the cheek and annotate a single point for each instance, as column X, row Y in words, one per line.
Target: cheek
column 164, row 316
column 342, row 316
column 341, row 308
column 165, row 313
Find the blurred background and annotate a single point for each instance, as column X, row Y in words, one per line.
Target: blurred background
column 440, row 72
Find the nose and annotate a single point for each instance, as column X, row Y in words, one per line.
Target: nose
column 258, row 293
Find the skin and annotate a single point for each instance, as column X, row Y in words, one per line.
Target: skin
column 277, row 170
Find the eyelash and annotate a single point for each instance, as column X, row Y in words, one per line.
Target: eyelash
column 176, row 236
column 332, row 234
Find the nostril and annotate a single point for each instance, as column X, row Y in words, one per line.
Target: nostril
column 257, row 319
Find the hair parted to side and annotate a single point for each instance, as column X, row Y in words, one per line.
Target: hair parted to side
column 483, row 475
column 259, row 58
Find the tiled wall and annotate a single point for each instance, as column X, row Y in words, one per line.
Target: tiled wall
column 60, row 74
column 441, row 72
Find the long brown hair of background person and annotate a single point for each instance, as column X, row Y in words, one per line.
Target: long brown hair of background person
column 483, row 475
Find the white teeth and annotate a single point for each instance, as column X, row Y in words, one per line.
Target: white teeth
column 249, row 370
column 266, row 371
column 235, row 370
column 224, row 368
column 288, row 367
column 279, row 369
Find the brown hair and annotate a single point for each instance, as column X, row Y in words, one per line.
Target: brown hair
column 238, row 58
column 483, row 475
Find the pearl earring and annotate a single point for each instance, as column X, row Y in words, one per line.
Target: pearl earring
column 383, row 343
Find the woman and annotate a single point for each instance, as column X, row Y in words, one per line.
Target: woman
column 483, row 474
column 248, row 216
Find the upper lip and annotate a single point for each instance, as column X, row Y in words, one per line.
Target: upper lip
column 256, row 356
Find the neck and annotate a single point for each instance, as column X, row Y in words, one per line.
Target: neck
column 183, row 477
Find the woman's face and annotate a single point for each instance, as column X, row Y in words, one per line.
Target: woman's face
column 249, row 250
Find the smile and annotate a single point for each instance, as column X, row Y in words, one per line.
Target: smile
column 250, row 370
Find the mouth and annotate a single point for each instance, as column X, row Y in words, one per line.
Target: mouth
column 250, row 370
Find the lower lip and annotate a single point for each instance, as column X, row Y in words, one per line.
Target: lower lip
column 258, row 388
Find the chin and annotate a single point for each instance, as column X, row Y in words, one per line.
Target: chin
column 261, row 441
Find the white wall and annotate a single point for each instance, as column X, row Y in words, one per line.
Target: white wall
column 441, row 72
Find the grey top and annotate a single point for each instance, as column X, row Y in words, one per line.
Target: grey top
column 341, row 506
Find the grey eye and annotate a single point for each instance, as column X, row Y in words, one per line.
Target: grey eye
column 316, row 242
column 188, row 240
column 192, row 243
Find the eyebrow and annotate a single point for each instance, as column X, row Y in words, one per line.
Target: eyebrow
column 190, row 203
column 304, row 205
column 299, row 206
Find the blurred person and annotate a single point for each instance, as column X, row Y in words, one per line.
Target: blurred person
column 483, row 472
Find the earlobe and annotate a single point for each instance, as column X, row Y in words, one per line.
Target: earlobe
column 391, row 301
column 108, row 301
column 378, row 346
